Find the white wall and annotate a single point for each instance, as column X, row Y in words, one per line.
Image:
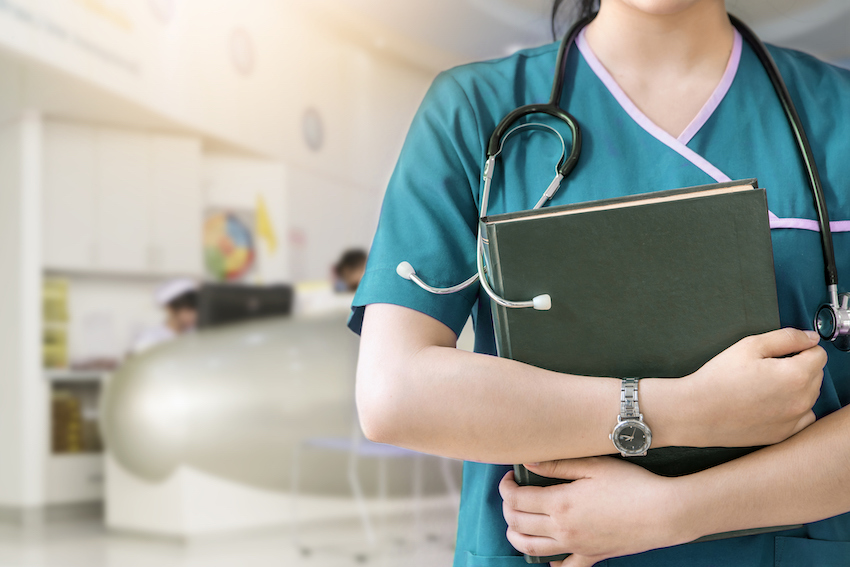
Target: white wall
column 175, row 57
column 23, row 392
column 367, row 101
column 182, row 63
column 332, row 216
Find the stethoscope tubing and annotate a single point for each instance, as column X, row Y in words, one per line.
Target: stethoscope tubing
column 552, row 108
column 806, row 154
column 838, row 310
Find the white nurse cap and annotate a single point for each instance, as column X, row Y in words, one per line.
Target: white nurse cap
column 172, row 289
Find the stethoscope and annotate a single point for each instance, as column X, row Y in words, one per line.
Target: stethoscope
column 832, row 320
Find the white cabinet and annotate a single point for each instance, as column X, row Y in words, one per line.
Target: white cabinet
column 122, row 206
column 73, row 479
column 69, row 197
column 121, row 201
column 176, row 206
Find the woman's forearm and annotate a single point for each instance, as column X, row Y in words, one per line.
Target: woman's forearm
column 435, row 398
column 801, row 480
column 488, row 409
column 414, row 389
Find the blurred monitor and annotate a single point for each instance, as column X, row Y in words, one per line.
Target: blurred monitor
column 221, row 304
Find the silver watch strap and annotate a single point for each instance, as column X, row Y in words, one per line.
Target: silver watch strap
column 629, row 408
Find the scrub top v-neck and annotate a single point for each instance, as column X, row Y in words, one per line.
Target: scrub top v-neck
column 430, row 211
column 679, row 143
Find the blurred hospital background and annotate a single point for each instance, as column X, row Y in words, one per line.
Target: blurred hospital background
column 187, row 188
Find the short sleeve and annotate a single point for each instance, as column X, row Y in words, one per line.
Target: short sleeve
column 429, row 215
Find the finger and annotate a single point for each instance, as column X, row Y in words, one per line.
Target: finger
column 527, row 523
column 815, row 362
column 814, row 357
column 507, row 486
column 507, row 490
column 536, row 546
column 567, row 469
column 508, row 479
column 805, row 373
column 785, row 341
column 531, row 499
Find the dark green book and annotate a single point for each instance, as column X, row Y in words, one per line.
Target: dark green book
column 650, row 285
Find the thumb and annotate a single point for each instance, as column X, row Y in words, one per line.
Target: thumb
column 567, row 469
column 785, row 341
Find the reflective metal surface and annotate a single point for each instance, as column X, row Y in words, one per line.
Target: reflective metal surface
column 233, row 401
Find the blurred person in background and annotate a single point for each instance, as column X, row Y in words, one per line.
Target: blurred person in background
column 179, row 299
column 323, row 296
column 348, row 271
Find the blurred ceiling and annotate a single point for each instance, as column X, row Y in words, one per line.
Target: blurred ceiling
column 440, row 33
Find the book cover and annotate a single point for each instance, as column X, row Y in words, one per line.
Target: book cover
column 650, row 285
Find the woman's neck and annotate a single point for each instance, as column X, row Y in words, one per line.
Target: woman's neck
column 623, row 36
column 668, row 64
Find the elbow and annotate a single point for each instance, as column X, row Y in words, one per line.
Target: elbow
column 373, row 424
column 376, row 408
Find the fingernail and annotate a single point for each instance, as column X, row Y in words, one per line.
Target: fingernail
column 813, row 335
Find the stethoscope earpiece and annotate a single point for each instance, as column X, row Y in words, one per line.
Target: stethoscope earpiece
column 405, row 270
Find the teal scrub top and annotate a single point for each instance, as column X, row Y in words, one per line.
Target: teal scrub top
column 430, row 212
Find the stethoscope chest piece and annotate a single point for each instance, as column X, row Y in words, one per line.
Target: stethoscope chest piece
column 832, row 322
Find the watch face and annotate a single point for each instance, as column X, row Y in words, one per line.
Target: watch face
column 632, row 437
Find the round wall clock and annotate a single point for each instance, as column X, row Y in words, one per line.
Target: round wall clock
column 163, row 10
column 242, row 53
column 313, row 129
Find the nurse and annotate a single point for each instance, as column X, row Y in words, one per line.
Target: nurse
column 667, row 96
column 178, row 298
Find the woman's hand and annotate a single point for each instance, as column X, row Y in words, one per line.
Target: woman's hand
column 759, row 391
column 612, row 508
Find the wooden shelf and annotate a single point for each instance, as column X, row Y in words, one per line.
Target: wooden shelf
column 63, row 375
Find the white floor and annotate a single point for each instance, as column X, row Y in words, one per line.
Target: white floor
column 86, row 543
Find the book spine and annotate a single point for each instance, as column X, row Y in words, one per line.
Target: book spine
column 494, row 269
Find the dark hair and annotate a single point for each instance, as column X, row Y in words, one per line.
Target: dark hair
column 188, row 300
column 351, row 259
column 565, row 13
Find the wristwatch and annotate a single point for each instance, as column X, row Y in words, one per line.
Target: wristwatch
column 631, row 436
